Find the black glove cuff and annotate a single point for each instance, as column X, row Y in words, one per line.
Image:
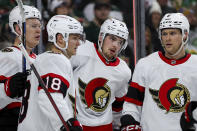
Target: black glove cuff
column 189, row 110
column 128, row 120
column 73, row 125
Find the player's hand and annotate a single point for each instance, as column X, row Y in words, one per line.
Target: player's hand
column 187, row 120
column 16, row 84
column 73, row 125
column 128, row 123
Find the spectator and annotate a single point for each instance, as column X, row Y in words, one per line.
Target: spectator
column 65, row 7
column 6, row 38
column 89, row 10
column 165, row 8
column 192, row 43
column 101, row 11
column 155, row 14
column 148, row 40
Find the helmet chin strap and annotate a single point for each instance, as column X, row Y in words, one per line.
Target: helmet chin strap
column 62, row 49
column 65, row 53
column 19, row 35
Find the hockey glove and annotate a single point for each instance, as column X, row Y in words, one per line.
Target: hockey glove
column 187, row 121
column 128, row 123
column 16, row 85
column 73, row 125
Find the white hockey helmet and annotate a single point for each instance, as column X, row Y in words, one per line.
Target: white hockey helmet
column 15, row 16
column 114, row 27
column 175, row 20
column 64, row 25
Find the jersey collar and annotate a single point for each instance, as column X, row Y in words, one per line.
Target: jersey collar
column 16, row 47
column 32, row 55
column 172, row 61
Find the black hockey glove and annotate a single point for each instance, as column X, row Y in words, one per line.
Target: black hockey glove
column 128, row 123
column 187, row 121
column 73, row 125
column 16, row 84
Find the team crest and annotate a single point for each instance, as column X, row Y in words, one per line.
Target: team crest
column 172, row 96
column 96, row 94
column 72, row 99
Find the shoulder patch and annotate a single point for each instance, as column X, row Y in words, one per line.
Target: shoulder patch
column 7, row 49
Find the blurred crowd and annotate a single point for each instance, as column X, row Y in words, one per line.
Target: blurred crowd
column 156, row 9
column 93, row 13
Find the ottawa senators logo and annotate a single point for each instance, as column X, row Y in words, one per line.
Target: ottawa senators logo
column 95, row 94
column 172, row 96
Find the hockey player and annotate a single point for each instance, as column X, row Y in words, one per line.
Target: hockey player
column 163, row 82
column 12, row 80
column 37, row 114
column 189, row 117
column 101, row 77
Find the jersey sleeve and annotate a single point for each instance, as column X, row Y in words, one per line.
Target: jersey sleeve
column 57, row 75
column 117, row 105
column 84, row 52
column 195, row 114
column 126, row 75
column 78, row 60
column 135, row 95
column 9, row 65
column 122, row 90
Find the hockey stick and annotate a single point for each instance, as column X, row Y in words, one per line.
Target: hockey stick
column 41, row 82
column 22, row 12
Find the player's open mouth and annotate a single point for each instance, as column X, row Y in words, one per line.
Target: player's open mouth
column 37, row 37
column 112, row 51
column 168, row 45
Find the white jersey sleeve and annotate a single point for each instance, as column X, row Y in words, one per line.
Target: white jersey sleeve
column 11, row 63
column 56, row 72
column 195, row 114
column 132, row 103
column 82, row 56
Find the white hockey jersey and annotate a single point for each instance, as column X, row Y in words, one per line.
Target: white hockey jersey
column 195, row 114
column 10, row 64
column 37, row 113
column 98, row 84
column 162, row 87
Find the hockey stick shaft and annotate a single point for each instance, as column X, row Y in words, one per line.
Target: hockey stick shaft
column 22, row 12
column 41, row 82
column 75, row 113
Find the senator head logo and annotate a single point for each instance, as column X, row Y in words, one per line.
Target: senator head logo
column 95, row 94
column 171, row 96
